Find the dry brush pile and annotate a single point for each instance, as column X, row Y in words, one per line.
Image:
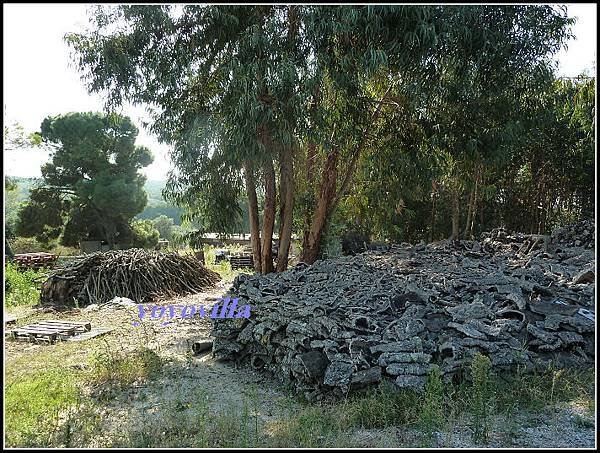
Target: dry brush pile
column 137, row 274
column 351, row 321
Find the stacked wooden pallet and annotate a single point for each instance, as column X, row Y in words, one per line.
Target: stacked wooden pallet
column 36, row 260
column 49, row 330
column 241, row 260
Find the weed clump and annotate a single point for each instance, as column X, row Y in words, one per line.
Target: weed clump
column 482, row 397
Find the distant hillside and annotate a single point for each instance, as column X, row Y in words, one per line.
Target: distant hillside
column 156, row 204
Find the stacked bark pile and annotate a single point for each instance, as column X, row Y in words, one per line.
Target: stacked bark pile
column 576, row 235
column 137, row 274
column 349, row 322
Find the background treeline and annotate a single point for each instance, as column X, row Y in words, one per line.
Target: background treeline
column 402, row 122
column 18, row 189
column 540, row 178
column 162, row 216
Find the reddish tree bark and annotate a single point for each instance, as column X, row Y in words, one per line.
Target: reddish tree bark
column 253, row 216
column 328, row 198
column 286, row 195
column 268, row 217
column 312, row 237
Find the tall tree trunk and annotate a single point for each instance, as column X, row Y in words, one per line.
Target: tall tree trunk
column 310, row 181
column 475, row 199
column 328, row 198
column 253, row 216
column 268, row 217
column 310, row 246
column 455, row 215
column 469, row 213
column 286, row 164
column 433, row 203
column 286, row 194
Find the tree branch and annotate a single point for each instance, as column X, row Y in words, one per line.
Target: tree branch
column 357, row 151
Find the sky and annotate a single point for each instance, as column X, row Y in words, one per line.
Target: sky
column 40, row 80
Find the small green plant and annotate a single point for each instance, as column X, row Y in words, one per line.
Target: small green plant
column 119, row 369
column 481, row 397
column 432, row 416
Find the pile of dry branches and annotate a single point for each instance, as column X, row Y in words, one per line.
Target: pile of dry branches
column 140, row 275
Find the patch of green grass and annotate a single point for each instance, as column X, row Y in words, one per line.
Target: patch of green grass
column 47, row 410
column 583, row 422
column 315, row 425
column 328, row 424
column 188, row 421
column 224, row 270
column 537, row 390
column 382, row 407
column 21, row 287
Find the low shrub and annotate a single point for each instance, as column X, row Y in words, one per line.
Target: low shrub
column 27, row 245
column 21, row 287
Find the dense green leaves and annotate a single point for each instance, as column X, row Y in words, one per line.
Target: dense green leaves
column 428, row 104
column 540, row 177
column 91, row 182
column 144, row 234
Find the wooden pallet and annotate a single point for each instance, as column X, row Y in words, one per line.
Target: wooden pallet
column 95, row 332
column 49, row 330
column 241, row 261
column 37, row 260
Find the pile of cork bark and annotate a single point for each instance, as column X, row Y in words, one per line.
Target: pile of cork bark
column 352, row 321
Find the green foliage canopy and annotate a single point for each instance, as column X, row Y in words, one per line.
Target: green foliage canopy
column 219, row 77
column 92, row 183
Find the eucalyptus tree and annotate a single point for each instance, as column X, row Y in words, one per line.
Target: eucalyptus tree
column 551, row 179
column 464, row 119
column 222, row 81
column 472, row 107
column 244, row 93
column 238, row 88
